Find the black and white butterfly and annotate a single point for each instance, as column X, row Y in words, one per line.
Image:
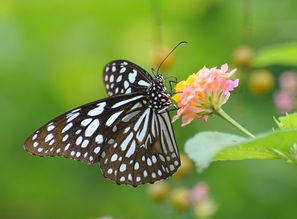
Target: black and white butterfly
column 129, row 133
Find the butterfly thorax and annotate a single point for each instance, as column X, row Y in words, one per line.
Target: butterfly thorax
column 157, row 94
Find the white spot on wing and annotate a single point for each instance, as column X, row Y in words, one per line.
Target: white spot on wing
column 96, row 150
column 139, row 121
column 131, row 149
column 130, row 177
column 50, row 128
column 52, row 142
column 111, row 79
column 49, row 137
column 65, row 137
column 79, row 140
column 123, row 70
column 132, row 76
column 119, row 78
column 143, row 83
column 129, row 116
column 141, row 133
column 73, row 116
column 86, row 122
column 98, row 110
column 123, row 167
column 128, row 91
column 85, row 143
column 126, row 101
column 67, row 147
column 99, row 139
column 114, row 157
column 92, row 128
column 113, row 118
column 34, row 137
column 126, row 141
column 148, row 161
column 136, row 166
column 126, row 84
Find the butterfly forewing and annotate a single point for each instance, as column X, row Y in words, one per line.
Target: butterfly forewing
column 83, row 132
column 124, row 77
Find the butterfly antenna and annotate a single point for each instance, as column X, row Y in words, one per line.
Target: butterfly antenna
column 170, row 54
column 153, row 71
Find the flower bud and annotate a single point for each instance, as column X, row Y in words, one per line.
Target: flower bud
column 243, row 55
column 185, row 168
column 180, row 198
column 159, row 191
column 205, row 208
column 159, row 55
column 261, row 82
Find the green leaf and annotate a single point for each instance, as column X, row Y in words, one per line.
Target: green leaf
column 288, row 121
column 206, row 147
column 285, row 54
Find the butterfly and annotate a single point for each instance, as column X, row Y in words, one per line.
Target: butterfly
column 128, row 133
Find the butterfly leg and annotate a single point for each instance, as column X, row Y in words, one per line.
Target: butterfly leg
column 171, row 83
column 175, row 107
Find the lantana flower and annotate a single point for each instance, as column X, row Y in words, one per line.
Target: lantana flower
column 203, row 93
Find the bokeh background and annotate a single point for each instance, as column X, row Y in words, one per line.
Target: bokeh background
column 52, row 53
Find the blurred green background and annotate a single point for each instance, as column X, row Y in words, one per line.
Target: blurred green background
column 51, row 58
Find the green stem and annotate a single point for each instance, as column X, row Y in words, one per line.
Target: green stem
column 226, row 117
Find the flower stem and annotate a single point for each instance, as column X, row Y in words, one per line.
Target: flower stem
column 226, row 117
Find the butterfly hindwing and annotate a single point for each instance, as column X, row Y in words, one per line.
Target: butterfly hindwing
column 143, row 151
column 83, row 132
column 124, row 77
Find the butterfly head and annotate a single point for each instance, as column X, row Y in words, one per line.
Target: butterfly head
column 157, row 94
column 160, row 80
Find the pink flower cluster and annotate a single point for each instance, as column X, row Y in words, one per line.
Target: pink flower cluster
column 203, row 205
column 203, row 93
column 286, row 98
column 199, row 192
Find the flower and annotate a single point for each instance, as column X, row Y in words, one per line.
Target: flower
column 199, row 192
column 286, row 98
column 284, row 101
column 203, row 93
column 205, row 209
column 288, row 82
